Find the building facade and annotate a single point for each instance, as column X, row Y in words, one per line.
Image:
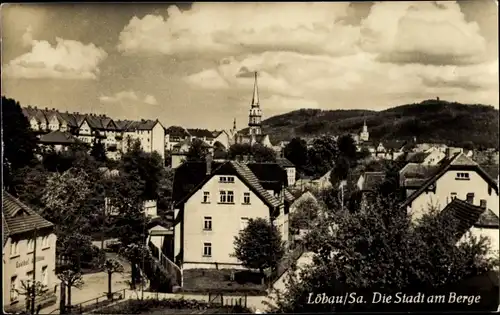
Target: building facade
column 91, row 128
column 214, row 201
column 21, row 225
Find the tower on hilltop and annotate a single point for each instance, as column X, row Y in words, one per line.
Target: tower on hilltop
column 255, row 116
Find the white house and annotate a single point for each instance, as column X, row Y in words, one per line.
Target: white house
column 459, row 177
column 214, row 201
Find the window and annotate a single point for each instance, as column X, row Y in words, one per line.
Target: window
column 243, row 223
column 470, row 198
column 44, row 275
column 226, row 179
column 223, row 198
column 453, row 195
column 14, row 248
column 246, row 198
column 207, row 223
column 45, row 242
column 206, row 197
column 230, row 197
column 462, row 176
column 31, row 244
column 13, row 288
column 207, row 249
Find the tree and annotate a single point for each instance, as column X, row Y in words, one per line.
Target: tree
column 239, row 150
column 322, row 155
column 259, row 245
column 347, row 147
column 340, row 170
column 65, row 200
column 146, row 168
column 31, row 291
column 296, row 152
column 380, row 249
column 261, row 153
column 98, row 152
column 136, row 254
column 197, row 151
column 111, row 266
column 28, row 184
column 19, row 142
column 71, row 279
column 305, row 213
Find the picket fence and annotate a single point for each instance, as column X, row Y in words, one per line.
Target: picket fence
column 251, row 301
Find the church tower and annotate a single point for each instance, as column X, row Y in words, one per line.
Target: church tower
column 255, row 116
column 364, row 135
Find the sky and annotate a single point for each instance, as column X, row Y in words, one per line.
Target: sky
column 192, row 64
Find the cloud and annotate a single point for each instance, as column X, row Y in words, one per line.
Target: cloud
column 68, row 59
column 234, row 28
column 400, row 32
column 422, row 32
column 28, row 36
column 128, row 96
column 151, row 100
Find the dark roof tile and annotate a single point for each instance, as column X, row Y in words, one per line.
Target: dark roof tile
column 19, row 218
column 58, row 137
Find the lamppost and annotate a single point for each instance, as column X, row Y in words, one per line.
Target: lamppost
column 33, row 284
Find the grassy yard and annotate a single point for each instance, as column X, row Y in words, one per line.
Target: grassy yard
column 219, row 281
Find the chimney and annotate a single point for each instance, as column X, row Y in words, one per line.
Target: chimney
column 449, row 153
column 482, row 204
column 208, row 160
column 470, row 198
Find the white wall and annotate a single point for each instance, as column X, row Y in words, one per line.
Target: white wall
column 158, row 140
column 226, row 221
column 447, row 184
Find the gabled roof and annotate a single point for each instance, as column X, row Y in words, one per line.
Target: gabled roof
column 191, row 176
column 284, row 162
column 289, row 197
column 270, row 175
column 458, row 162
column 200, row 133
column 415, row 174
column 133, row 125
column 58, row 137
column 492, row 170
column 176, row 131
column 19, row 218
column 373, row 180
column 393, row 144
column 469, row 215
column 417, row 157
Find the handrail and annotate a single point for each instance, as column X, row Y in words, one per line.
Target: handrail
column 166, row 263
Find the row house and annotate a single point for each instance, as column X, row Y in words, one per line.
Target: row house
column 456, row 177
column 213, row 202
column 21, row 225
column 89, row 128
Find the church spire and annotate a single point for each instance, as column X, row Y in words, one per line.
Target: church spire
column 255, row 98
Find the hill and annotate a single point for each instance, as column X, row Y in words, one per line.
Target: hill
column 429, row 121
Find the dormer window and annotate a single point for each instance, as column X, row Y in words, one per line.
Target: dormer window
column 226, row 179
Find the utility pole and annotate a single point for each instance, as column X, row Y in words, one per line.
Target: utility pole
column 33, row 284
